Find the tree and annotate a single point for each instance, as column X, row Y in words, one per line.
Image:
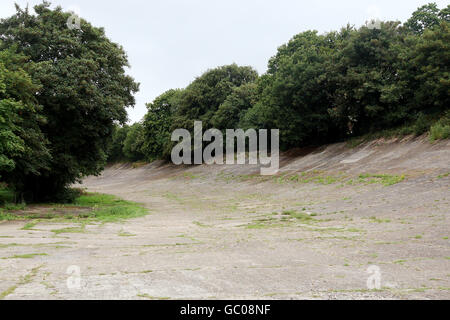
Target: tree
column 202, row 98
column 134, row 142
column 119, row 135
column 428, row 70
column 157, row 124
column 295, row 91
column 84, row 90
column 230, row 112
column 23, row 147
column 368, row 95
column 427, row 17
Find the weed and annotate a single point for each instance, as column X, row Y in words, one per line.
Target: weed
column 385, row 179
column 26, row 256
column 297, row 215
column 29, row 226
column 80, row 229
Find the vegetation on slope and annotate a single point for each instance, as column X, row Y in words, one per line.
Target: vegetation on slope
column 319, row 88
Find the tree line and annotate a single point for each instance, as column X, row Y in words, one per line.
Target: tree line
column 64, row 94
column 319, row 88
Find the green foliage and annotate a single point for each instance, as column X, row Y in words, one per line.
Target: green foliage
column 367, row 95
column 134, row 142
column 115, row 151
column 232, row 110
column 217, row 98
column 428, row 70
column 385, row 179
column 83, row 91
column 441, row 130
column 202, row 98
column 6, row 195
column 366, row 82
column 157, row 124
column 427, row 17
column 108, row 208
column 23, row 146
column 86, row 208
column 64, row 93
column 294, row 93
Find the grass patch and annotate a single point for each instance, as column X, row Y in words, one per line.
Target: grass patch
column 190, row 176
column 200, row 224
column 89, row 207
column 125, row 234
column 261, row 225
column 377, row 220
column 81, row 229
column 297, row 215
column 445, row 175
column 26, row 256
column 7, row 292
column 384, row 179
column 441, row 129
column 314, row 176
column 29, row 226
column 439, row 132
column 26, row 279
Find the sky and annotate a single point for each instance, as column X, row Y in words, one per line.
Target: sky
column 171, row 42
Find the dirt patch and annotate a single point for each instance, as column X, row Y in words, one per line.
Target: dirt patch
column 51, row 211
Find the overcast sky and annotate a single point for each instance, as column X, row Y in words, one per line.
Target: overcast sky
column 170, row 42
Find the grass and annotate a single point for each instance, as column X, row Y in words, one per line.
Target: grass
column 70, row 230
column 26, row 256
column 286, row 219
column 125, row 234
column 319, row 177
column 297, row 215
column 377, row 220
column 438, row 128
column 25, row 280
column 147, row 296
column 384, row 179
column 101, row 208
column 199, row 224
column 262, row 225
column 7, row 292
column 441, row 129
column 29, row 226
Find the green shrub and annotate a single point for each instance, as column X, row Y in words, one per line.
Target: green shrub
column 441, row 130
column 422, row 124
column 67, row 195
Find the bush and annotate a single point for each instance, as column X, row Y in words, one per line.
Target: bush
column 422, row 124
column 67, row 195
column 441, row 130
